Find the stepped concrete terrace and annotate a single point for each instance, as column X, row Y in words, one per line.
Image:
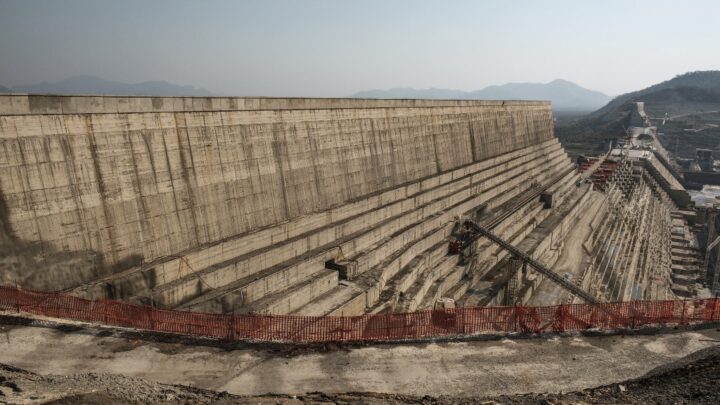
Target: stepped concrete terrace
column 319, row 206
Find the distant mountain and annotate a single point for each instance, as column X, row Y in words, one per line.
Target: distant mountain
column 407, row 92
column 564, row 95
column 95, row 85
column 4, row 89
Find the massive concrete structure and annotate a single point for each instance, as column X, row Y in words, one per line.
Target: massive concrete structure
column 308, row 206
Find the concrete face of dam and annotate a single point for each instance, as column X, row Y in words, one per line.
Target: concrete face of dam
column 151, row 184
column 240, row 204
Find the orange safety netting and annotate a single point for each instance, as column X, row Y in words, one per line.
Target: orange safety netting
column 392, row 326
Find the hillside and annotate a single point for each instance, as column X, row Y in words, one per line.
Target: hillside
column 565, row 95
column 708, row 80
column 95, row 85
column 679, row 97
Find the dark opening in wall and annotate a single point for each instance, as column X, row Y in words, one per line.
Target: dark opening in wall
column 340, row 268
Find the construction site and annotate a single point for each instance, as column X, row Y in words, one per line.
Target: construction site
column 324, row 220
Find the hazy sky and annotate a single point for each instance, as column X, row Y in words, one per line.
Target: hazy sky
column 335, row 47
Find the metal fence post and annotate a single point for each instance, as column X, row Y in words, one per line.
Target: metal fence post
column 17, row 296
column 682, row 316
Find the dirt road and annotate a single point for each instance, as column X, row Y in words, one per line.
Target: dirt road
column 468, row 369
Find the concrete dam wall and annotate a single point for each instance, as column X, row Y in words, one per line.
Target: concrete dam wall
column 238, row 203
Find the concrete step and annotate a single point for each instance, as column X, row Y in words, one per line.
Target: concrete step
column 364, row 260
column 683, row 291
column 341, row 300
column 249, row 289
column 196, row 284
column 312, row 230
column 515, row 227
column 411, row 299
column 289, row 300
column 263, row 284
column 512, row 204
column 560, row 190
column 455, row 286
column 379, row 252
column 375, row 280
column 442, row 286
column 511, row 230
column 686, row 261
column 522, row 220
column 406, row 277
column 536, row 239
column 686, row 252
column 385, row 270
column 680, row 242
column 683, row 270
column 683, row 279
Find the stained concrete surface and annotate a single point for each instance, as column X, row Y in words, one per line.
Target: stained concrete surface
column 477, row 368
column 152, row 182
column 572, row 261
column 195, row 202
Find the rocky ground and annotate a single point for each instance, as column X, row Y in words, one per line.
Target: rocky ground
column 694, row 380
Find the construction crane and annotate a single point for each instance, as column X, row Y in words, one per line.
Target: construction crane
column 560, row 280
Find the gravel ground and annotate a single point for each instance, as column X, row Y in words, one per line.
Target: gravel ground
column 692, row 380
column 20, row 386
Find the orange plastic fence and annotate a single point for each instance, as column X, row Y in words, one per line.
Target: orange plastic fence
column 404, row 326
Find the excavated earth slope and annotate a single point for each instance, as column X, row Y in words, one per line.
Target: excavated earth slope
column 468, row 369
column 690, row 381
